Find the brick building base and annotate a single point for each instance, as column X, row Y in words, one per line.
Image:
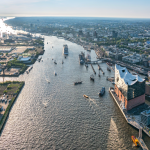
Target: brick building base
column 129, row 104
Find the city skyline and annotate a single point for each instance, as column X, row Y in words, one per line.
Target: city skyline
column 108, row 8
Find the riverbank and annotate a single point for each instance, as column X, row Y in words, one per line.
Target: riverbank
column 16, row 67
column 12, row 89
column 133, row 120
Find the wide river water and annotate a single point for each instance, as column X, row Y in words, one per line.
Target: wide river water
column 55, row 115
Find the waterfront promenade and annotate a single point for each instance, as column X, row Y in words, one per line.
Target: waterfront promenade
column 133, row 121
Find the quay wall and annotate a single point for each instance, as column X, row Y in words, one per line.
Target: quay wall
column 118, row 104
column 136, row 101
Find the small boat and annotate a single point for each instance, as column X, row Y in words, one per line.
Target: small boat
column 135, row 141
column 86, row 65
column 85, row 96
column 47, row 42
column 102, row 91
column 55, row 62
column 55, row 73
column 92, row 77
column 62, row 61
column 108, row 69
column 79, row 82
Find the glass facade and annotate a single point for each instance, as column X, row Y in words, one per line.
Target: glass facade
column 136, row 90
column 129, row 91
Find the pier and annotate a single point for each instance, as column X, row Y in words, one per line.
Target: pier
column 100, row 69
column 110, row 67
column 93, row 69
column 129, row 119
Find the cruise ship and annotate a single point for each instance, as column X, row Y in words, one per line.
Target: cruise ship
column 65, row 49
column 81, row 58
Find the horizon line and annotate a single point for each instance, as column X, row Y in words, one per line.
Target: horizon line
column 72, row 16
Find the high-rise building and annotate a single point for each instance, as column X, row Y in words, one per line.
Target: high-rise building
column 129, row 88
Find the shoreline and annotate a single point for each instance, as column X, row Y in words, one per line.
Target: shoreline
column 7, row 111
column 130, row 121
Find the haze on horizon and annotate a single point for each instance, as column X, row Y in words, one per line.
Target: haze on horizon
column 78, row 8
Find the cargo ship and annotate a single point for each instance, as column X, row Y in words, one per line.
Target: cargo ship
column 65, row 49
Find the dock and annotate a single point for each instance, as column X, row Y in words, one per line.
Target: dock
column 100, row 69
column 110, row 67
column 129, row 120
column 93, row 69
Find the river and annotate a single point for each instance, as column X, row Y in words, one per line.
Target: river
column 55, row 115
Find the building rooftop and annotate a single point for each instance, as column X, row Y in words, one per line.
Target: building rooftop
column 129, row 79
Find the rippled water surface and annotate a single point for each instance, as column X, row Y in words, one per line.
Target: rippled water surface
column 57, row 116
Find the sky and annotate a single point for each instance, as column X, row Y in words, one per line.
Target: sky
column 77, row 8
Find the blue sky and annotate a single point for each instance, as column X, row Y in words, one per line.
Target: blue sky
column 88, row 8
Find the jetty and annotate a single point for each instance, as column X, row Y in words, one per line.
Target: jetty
column 100, row 69
column 130, row 119
column 93, row 69
column 109, row 67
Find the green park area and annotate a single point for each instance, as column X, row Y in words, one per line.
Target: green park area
column 8, row 94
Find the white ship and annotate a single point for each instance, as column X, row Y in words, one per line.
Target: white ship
column 65, row 49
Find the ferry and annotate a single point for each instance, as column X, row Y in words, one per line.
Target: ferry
column 65, row 49
column 135, row 141
column 102, row 91
column 85, row 96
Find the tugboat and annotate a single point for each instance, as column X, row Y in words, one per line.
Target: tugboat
column 85, row 96
column 135, row 141
column 79, row 82
column 102, row 91
column 92, row 77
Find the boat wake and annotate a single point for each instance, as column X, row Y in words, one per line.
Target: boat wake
column 45, row 104
column 93, row 101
